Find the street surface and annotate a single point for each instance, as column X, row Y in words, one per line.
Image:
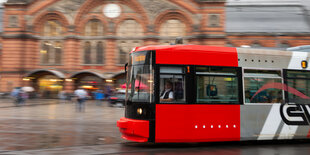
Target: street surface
column 48, row 127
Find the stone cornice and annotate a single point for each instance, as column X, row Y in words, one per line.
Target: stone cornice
column 207, row 36
column 153, row 37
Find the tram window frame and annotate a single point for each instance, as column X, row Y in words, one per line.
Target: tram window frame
column 286, row 81
column 238, row 81
column 184, row 81
column 280, row 76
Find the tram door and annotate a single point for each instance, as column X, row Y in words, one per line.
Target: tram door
column 171, row 112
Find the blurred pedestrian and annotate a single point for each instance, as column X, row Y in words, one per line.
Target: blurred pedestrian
column 99, row 96
column 108, row 92
column 62, row 95
column 81, row 95
column 22, row 97
column 14, row 95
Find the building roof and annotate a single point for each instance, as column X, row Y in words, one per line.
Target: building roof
column 19, row 1
column 263, row 2
column 269, row 19
column 265, row 16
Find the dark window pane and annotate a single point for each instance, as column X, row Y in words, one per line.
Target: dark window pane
column 100, row 53
column 263, row 86
column 217, row 89
column 263, row 90
column 87, row 53
column 298, row 74
column 122, row 56
column 58, row 53
column 45, row 52
column 298, row 87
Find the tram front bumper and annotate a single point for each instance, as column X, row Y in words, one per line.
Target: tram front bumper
column 134, row 130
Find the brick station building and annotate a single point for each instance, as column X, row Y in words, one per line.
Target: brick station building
column 61, row 44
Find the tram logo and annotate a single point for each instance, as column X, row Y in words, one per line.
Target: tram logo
column 295, row 114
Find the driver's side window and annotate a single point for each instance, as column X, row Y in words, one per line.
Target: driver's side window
column 172, row 84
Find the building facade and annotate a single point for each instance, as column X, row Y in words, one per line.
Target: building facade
column 55, row 45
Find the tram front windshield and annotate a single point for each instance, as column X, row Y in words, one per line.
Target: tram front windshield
column 140, row 78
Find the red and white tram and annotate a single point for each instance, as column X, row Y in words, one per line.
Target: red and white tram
column 194, row 93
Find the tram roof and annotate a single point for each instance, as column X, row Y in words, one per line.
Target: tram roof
column 206, row 55
column 205, row 48
column 194, row 55
column 186, row 48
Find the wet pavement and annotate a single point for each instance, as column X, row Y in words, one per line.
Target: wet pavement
column 8, row 102
column 53, row 125
column 53, row 128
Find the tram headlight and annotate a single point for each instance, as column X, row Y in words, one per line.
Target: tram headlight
column 139, row 111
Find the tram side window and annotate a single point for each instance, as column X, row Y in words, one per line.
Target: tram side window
column 298, row 83
column 172, row 84
column 217, row 85
column 263, row 86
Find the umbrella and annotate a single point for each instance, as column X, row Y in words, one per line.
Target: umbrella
column 137, row 84
column 27, row 89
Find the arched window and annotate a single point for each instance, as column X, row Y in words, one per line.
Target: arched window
column 93, row 27
column 171, row 29
column 99, row 54
column 52, row 28
column 128, row 29
column 51, row 48
column 87, row 53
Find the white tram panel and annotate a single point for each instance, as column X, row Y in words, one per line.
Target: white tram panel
column 262, row 121
column 262, row 58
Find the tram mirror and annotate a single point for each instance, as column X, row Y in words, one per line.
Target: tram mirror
column 126, row 65
column 211, row 90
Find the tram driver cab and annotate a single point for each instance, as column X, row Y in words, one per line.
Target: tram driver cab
column 172, row 84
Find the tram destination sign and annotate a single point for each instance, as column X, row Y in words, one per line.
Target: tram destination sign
column 141, row 58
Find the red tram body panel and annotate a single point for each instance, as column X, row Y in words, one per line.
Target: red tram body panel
column 134, row 130
column 197, row 123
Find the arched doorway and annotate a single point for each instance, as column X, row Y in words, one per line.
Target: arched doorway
column 47, row 83
column 90, row 81
column 49, row 86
